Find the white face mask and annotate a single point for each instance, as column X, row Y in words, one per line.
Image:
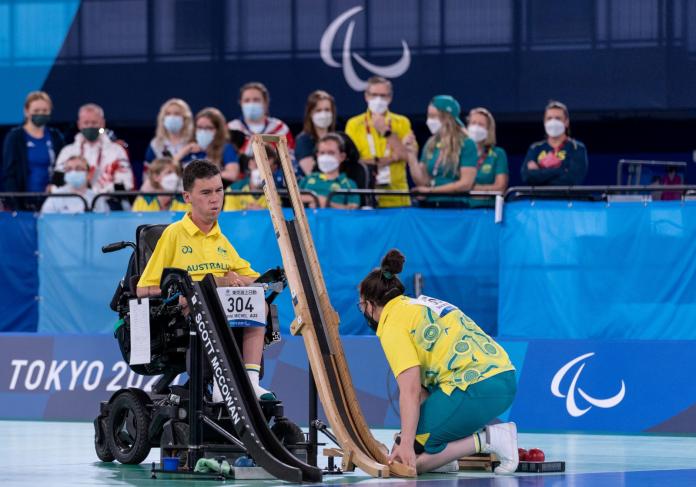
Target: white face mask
column 252, row 110
column 477, row 133
column 327, row 163
column 75, row 179
column 434, row 125
column 173, row 123
column 322, row 119
column 554, row 127
column 255, row 178
column 170, row 182
column 378, row 105
column 204, row 137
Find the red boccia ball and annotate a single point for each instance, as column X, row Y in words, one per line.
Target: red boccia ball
column 522, row 454
column 535, row 455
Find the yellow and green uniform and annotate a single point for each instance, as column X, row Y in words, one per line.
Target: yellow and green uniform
column 152, row 203
column 184, row 246
column 469, row 376
column 322, row 185
column 490, row 165
column 242, row 202
column 437, row 168
column 372, row 144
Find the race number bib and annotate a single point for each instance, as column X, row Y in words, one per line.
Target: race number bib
column 440, row 308
column 383, row 176
column 244, row 306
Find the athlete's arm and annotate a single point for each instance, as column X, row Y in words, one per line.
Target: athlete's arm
column 409, row 409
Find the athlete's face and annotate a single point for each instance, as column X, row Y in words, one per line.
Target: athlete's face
column 206, row 198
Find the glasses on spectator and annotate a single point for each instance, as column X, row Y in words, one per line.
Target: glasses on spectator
column 361, row 306
column 372, row 94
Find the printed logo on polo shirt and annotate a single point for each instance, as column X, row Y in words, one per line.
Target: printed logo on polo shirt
column 186, row 249
column 221, row 251
column 354, row 81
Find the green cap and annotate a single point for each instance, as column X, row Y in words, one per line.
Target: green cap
column 447, row 103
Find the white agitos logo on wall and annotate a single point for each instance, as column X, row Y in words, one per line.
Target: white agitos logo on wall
column 391, row 71
column 571, row 405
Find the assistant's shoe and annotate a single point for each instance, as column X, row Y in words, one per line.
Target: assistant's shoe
column 501, row 439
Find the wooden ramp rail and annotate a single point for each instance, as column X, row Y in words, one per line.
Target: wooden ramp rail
column 317, row 321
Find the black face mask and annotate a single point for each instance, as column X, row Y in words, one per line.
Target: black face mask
column 91, row 133
column 40, row 119
column 371, row 322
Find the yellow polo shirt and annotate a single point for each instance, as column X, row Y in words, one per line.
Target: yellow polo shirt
column 450, row 349
column 184, row 246
column 360, row 129
column 152, row 203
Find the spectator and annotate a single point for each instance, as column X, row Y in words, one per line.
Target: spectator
column 212, row 143
column 558, row 160
column 75, row 176
column 253, row 183
column 671, row 179
column 378, row 135
column 331, row 152
column 255, row 101
column 164, row 175
column 29, row 150
column 491, row 165
column 319, row 120
column 448, row 159
column 174, row 131
column 109, row 167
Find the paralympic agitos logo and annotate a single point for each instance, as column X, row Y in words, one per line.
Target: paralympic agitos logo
column 354, row 81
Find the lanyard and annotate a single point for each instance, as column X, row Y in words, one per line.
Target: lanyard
column 483, row 157
column 370, row 139
column 92, row 169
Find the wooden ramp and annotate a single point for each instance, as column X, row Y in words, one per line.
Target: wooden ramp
column 317, row 322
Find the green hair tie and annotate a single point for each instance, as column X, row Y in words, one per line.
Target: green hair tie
column 387, row 275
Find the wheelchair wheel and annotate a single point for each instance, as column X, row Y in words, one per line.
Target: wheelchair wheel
column 287, row 432
column 127, row 428
column 101, row 446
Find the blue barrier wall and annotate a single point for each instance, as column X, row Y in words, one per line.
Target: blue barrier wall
column 564, row 385
column 456, row 251
column 598, row 271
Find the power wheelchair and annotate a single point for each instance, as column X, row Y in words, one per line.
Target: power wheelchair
column 133, row 421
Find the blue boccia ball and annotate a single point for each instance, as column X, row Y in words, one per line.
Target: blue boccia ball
column 244, row 462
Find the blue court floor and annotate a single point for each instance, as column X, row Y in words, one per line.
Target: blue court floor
column 61, row 454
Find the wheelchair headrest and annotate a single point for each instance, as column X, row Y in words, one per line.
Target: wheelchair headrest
column 146, row 238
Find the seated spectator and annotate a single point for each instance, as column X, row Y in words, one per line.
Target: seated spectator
column 75, row 176
column 109, row 166
column 319, row 120
column 491, row 165
column 255, row 101
column 448, row 159
column 331, row 152
column 174, row 131
column 212, row 143
column 558, row 160
column 164, row 175
column 378, row 134
column 29, row 150
column 253, row 183
column 671, row 179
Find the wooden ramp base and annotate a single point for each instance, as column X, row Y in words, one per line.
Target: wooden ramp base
column 482, row 461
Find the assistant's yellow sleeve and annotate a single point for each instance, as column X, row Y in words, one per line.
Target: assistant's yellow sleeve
column 398, row 348
column 161, row 258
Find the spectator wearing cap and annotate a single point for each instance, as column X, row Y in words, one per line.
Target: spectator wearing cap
column 448, row 159
column 379, row 134
column 558, row 160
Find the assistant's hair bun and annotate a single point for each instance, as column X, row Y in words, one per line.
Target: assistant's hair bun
column 393, row 262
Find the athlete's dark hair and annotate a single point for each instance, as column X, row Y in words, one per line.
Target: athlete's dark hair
column 382, row 285
column 199, row 169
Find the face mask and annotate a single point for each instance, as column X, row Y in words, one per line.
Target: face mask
column 327, row 163
column 173, row 123
column 40, row 119
column 75, row 179
column 91, row 133
column 378, row 105
column 170, row 182
column 371, row 322
column 204, row 137
column 255, row 178
column 252, row 110
column 554, row 127
column 322, row 119
column 434, row 125
column 477, row 133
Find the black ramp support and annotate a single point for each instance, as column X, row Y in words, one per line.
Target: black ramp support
column 265, row 448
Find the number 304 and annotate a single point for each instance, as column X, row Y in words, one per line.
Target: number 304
column 238, row 305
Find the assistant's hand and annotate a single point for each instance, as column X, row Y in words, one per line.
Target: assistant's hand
column 403, row 453
column 532, row 165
